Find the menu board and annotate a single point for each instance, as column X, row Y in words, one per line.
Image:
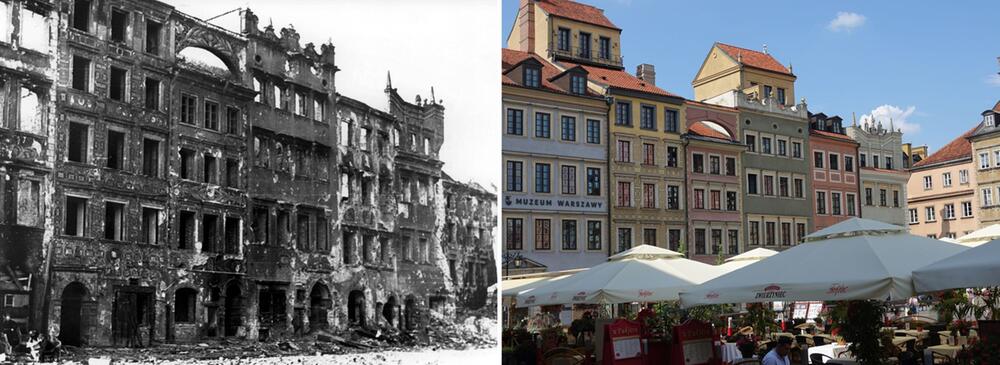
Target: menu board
column 800, row 310
column 815, row 308
column 697, row 351
column 627, row 348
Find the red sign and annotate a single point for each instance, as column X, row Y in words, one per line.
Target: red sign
column 694, row 344
column 623, row 343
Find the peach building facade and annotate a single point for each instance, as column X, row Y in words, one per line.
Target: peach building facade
column 942, row 192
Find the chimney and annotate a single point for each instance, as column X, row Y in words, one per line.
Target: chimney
column 526, row 23
column 645, row 72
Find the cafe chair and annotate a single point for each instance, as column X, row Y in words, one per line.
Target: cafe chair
column 819, row 340
column 939, row 358
column 816, row 359
column 802, row 340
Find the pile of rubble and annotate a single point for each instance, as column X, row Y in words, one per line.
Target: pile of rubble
column 469, row 331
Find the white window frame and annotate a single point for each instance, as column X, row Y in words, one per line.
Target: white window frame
column 966, row 209
column 946, row 179
column 984, row 160
column 930, row 214
column 949, row 212
column 914, row 217
column 928, row 182
column 963, row 176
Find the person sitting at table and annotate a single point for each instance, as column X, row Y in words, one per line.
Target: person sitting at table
column 779, row 355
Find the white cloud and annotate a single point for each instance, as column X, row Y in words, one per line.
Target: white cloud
column 846, row 21
column 993, row 79
column 898, row 116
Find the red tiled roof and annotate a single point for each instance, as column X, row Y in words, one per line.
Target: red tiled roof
column 620, row 79
column 576, row 11
column 702, row 129
column 839, row 136
column 956, row 149
column 753, row 58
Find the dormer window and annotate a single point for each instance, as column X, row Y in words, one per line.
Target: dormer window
column 988, row 119
column 578, row 84
column 532, row 76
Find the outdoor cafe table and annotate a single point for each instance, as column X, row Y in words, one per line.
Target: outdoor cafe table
column 922, row 335
column 898, row 340
column 950, row 350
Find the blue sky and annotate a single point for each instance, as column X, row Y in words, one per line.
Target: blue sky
column 931, row 66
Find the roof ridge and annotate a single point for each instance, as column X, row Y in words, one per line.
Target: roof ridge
column 957, row 142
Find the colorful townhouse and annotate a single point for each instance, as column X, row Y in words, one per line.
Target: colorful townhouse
column 986, row 147
column 555, row 196
column 883, row 179
column 941, row 192
column 646, row 171
column 834, row 172
column 714, row 183
column 777, row 209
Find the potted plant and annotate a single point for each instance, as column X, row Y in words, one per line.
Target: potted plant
column 863, row 329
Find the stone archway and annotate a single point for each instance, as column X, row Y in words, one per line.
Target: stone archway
column 71, row 328
column 319, row 306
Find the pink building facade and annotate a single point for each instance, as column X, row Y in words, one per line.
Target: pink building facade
column 834, row 171
column 714, row 190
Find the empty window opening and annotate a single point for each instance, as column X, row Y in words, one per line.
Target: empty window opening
column 211, row 170
column 150, row 226
column 232, row 120
column 81, row 73
column 260, row 225
column 78, row 142
column 81, row 15
column 151, row 157
column 184, row 305
column 116, row 150
column 303, row 239
column 188, row 106
column 114, row 216
column 31, row 111
column 209, row 233
column 29, row 206
column 76, row 216
column 119, row 25
column 232, row 235
column 152, row 94
column 153, row 30
column 322, row 243
column 185, row 235
column 348, row 244
column 212, row 115
column 284, row 228
column 232, row 173
column 187, row 164
column 117, row 86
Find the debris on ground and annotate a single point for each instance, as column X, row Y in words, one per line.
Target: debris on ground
column 469, row 331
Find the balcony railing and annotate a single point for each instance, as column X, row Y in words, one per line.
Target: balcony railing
column 586, row 55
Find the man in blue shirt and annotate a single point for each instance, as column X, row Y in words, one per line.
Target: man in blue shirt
column 779, row 355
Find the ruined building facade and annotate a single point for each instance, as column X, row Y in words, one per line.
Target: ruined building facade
column 150, row 196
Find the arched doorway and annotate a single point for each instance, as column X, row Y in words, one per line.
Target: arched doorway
column 356, row 308
column 389, row 311
column 319, row 305
column 71, row 318
column 410, row 313
column 233, row 309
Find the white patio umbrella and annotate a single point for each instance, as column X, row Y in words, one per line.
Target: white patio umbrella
column 745, row 259
column 854, row 259
column 513, row 287
column 980, row 236
column 642, row 274
column 975, row 267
